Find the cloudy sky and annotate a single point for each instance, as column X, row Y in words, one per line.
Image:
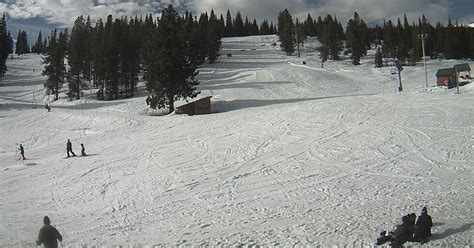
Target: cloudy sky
column 35, row 15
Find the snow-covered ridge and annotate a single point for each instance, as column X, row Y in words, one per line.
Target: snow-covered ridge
column 293, row 155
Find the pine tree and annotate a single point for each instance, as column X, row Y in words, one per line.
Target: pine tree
column 238, row 25
column 54, row 67
column 229, row 26
column 286, row 32
column 247, row 27
column 168, row 71
column 356, row 38
column 38, row 46
column 213, row 38
column 22, row 43
column 220, row 27
column 18, row 48
column 264, row 27
column 309, row 28
column 111, row 58
column 4, row 45
column 97, row 54
column 203, row 46
column 76, row 53
column 330, row 37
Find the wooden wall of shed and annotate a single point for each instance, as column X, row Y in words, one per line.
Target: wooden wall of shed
column 448, row 81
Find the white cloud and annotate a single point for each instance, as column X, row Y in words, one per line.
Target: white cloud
column 65, row 11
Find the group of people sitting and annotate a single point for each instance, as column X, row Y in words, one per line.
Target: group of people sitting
column 411, row 229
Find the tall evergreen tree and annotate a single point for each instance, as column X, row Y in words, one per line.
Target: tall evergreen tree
column 309, row 28
column 265, row 27
column 168, row 71
column 54, row 68
column 286, row 32
column 76, row 58
column 4, row 45
column 229, row 25
column 238, row 25
column 203, row 35
column 213, row 38
column 38, row 46
column 356, row 38
column 330, row 37
column 22, row 43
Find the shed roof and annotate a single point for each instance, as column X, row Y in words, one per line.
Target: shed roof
column 462, row 67
column 194, row 102
column 445, row 72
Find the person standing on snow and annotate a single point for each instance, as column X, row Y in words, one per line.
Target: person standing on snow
column 69, row 148
column 22, row 152
column 83, row 150
column 48, row 235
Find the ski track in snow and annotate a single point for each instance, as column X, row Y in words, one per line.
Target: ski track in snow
column 293, row 155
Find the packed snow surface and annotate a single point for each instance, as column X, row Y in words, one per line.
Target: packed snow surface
column 293, row 154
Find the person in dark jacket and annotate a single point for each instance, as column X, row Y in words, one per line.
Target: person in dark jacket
column 401, row 234
column 83, row 150
column 48, row 235
column 411, row 226
column 69, row 148
column 423, row 226
column 22, row 152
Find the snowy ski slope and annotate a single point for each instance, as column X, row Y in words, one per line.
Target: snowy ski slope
column 293, row 155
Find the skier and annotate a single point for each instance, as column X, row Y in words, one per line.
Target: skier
column 423, row 226
column 48, row 235
column 22, row 152
column 83, row 150
column 47, row 107
column 69, row 148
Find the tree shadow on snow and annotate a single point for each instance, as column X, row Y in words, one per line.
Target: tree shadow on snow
column 227, row 106
column 451, row 231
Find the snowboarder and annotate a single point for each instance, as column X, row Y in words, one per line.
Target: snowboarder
column 69, row 148
column 47, row 107
column 83, row 150
column 22, row 152
column 423, row 226
column 48, row 235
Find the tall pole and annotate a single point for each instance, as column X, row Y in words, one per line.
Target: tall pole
column 297, row 38
column 399, row 69
column 423, row 37
column 456, row 78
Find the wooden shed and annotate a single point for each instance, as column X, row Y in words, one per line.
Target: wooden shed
column 198, row 107
column 446, row 77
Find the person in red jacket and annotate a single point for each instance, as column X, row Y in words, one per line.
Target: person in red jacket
column 48, row 235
